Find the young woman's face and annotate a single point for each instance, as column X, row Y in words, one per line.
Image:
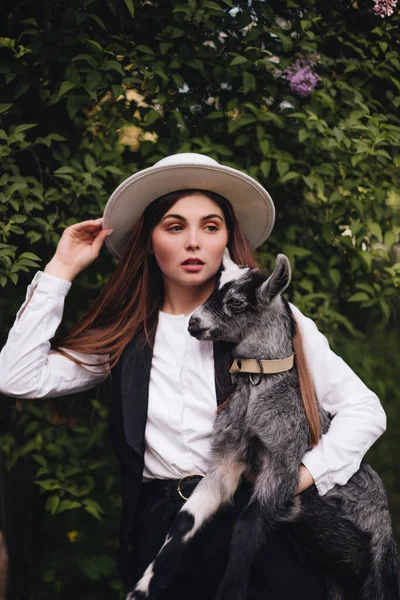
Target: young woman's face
column 189, row 241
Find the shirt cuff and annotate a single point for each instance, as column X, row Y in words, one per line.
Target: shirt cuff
column 317, row 467
column 51, row 283
column 46, row 283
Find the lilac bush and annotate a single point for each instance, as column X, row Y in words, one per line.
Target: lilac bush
column 301, row 77
column 384, row 8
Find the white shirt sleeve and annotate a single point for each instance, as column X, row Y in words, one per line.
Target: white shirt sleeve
column 358, row 417
column 28, row 367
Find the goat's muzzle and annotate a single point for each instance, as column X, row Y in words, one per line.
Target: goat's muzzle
column 196, row 330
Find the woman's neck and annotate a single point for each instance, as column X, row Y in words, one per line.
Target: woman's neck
column 185, row 299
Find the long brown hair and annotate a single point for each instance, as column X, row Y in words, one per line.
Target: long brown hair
column 129, row 303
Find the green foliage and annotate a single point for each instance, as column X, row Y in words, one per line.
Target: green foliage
column 92, row 91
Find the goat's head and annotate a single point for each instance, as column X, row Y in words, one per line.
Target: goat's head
column 240, row 298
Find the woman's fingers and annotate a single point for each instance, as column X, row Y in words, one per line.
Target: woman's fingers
column 89, row 223
column 99, row 240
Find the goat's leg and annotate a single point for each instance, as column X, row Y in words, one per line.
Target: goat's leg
column 214, row 490
column 382, row 580
column 363, row 561
column 248, row 535
column 271, row 501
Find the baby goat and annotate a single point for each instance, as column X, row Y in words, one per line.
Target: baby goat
column 263, row 429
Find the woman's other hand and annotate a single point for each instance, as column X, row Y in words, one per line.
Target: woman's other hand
column 305, row 479
column 78, row 247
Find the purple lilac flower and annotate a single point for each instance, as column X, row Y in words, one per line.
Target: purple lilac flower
column 384, row 8
column 302, row 79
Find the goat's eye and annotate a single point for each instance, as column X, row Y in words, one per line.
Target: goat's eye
column 236, row 305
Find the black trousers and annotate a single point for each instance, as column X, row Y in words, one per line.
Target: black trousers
column 282, row 569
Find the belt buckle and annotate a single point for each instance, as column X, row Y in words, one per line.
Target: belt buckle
column 186, row 477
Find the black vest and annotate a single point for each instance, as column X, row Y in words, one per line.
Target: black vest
column 128, row 414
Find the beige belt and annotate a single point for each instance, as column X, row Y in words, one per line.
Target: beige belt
column 251, row 365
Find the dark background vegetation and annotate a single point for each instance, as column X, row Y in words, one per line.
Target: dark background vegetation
column 92, row 91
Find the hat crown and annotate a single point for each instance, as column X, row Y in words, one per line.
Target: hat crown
column 191, row 158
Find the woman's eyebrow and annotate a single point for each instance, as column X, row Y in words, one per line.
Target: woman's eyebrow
column 180, row 218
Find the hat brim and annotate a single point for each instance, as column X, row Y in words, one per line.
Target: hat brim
column 251, row 202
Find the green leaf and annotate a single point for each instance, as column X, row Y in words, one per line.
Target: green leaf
column 86, row 57
column 113, row 169
column 216, row 114
column 21, row 128
column 151, row 117
column 15, row 188
column 145, row 49
column 212, row 5
column 239, row 60
column 130, row 7
column 40, row 459
column 93, row 79
column 72, row 106
column 30, row 21
column 302, row 135
column 19, row 218
column 64, row 170
column 289, row 175
column 65, row 87
column 389, row 238
column 366, row 287
column 249, row 82
column 335, row 276
column 242, row 140
column 113, row 64
column 4, row 107
column 282, row 167
column 358, row 297
column 375, row 229
column 97, row 19
column 265, row 167
column 93, row 511
column 89, row 502
column 265, row 147
column 48, row 484
column 68, row 505
column 52, row 504
column 177, row 77
column 90, row 163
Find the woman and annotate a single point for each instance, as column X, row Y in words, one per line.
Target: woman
column 169, row 226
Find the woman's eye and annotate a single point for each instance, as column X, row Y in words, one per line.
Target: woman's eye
column 175, row 228
column 212, row 227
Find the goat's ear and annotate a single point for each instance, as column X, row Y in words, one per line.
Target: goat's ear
column 278, row 281
column 227, row 262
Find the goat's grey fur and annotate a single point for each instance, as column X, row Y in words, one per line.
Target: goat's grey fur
column 264, row 429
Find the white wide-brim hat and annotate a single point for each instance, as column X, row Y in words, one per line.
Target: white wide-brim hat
column 252, row 205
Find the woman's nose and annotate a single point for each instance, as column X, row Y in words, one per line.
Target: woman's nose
column 192, row 245
column 192, row 242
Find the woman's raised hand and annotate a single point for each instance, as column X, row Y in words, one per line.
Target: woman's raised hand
column 78, row 247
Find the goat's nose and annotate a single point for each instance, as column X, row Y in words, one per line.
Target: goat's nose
column 195, row 327
column 194, row 323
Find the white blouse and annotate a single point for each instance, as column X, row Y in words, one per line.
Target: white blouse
column 182, row 398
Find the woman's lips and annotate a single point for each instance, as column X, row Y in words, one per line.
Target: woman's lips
column 192, row 267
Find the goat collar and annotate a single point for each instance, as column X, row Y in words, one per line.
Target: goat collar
column 252, row 365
